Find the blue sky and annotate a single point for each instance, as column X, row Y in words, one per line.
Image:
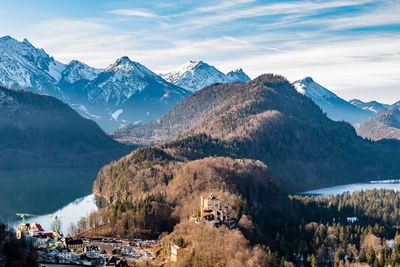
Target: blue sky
column 350, row 46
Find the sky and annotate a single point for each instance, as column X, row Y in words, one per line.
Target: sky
column 352, row 47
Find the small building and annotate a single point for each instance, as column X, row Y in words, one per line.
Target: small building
column 35, row 229
column 64, row 255
column 92, row 252
column 352, row 219
column 29, row 229
column 74, row 244
column 175, row 251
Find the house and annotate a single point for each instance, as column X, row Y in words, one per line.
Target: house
column 92, row 252
column 351, row 219
column 114, row 261
column 29, row 229
column 64, row 255
column 74, row 244
column 35, row 229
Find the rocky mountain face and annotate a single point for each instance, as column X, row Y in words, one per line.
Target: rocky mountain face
column 268, row 120
column 38, row 130
column 373, row 106
column 23, row 66
column 385, row 125
column 335, row 107
column 124, row 92
column 195, row 75
column 238, row 76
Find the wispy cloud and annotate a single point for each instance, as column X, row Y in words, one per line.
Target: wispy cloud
column 338, row 42
column 255, row 46
column 253, row 11
column 133, row 13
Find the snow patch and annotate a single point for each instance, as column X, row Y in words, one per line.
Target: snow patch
column 117, row 113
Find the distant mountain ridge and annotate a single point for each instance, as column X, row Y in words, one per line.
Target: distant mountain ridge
column 336, row 108
column 373, row 106
column 195, row 75
column 124, row 92
column 385, row 125
column 42, row 131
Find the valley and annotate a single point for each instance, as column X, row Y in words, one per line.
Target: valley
column 120, row 166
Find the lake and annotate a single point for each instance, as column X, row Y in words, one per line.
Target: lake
column 340, row 189
column 71, row 213
column 42, row 190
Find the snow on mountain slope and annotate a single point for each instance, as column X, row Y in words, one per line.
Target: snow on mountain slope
column 23, row 66
column 77, row 70
column 238, row 76
column 373, row 106
column 335, row 107
column 96, row 94
column 121, row 80
column 195, row 75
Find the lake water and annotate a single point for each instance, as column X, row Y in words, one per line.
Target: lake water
column 340, row 189
column 42, row 190
column 69, row 214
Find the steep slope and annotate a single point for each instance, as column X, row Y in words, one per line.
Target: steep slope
column 25, row 67
column 238, row 76
column 267, row 119
column 126, row 92
column 373, row 106
column 336, row 108
column 385, row 125
column 195, row 75
column 37, row 130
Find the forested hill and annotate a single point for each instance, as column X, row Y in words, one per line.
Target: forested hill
column 385, row 125
column 41, row 131
column 268, row 120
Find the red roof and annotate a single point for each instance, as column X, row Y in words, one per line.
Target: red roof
column 49, row 234
column 39, row 227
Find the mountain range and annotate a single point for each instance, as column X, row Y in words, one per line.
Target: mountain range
column 124, row 92
column 267, row 119
column 373, row 106
column 195, row 75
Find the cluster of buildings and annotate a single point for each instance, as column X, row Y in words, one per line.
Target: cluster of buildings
column 53, row 249
column 214, row 212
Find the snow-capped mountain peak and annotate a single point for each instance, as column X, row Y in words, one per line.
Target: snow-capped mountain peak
column 335, row 107
column 310, row 88
column 195, row 75
column 77, row 70
column 25, row 67
column 126, row 66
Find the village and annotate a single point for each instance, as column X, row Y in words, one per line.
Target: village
column 55, row 249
